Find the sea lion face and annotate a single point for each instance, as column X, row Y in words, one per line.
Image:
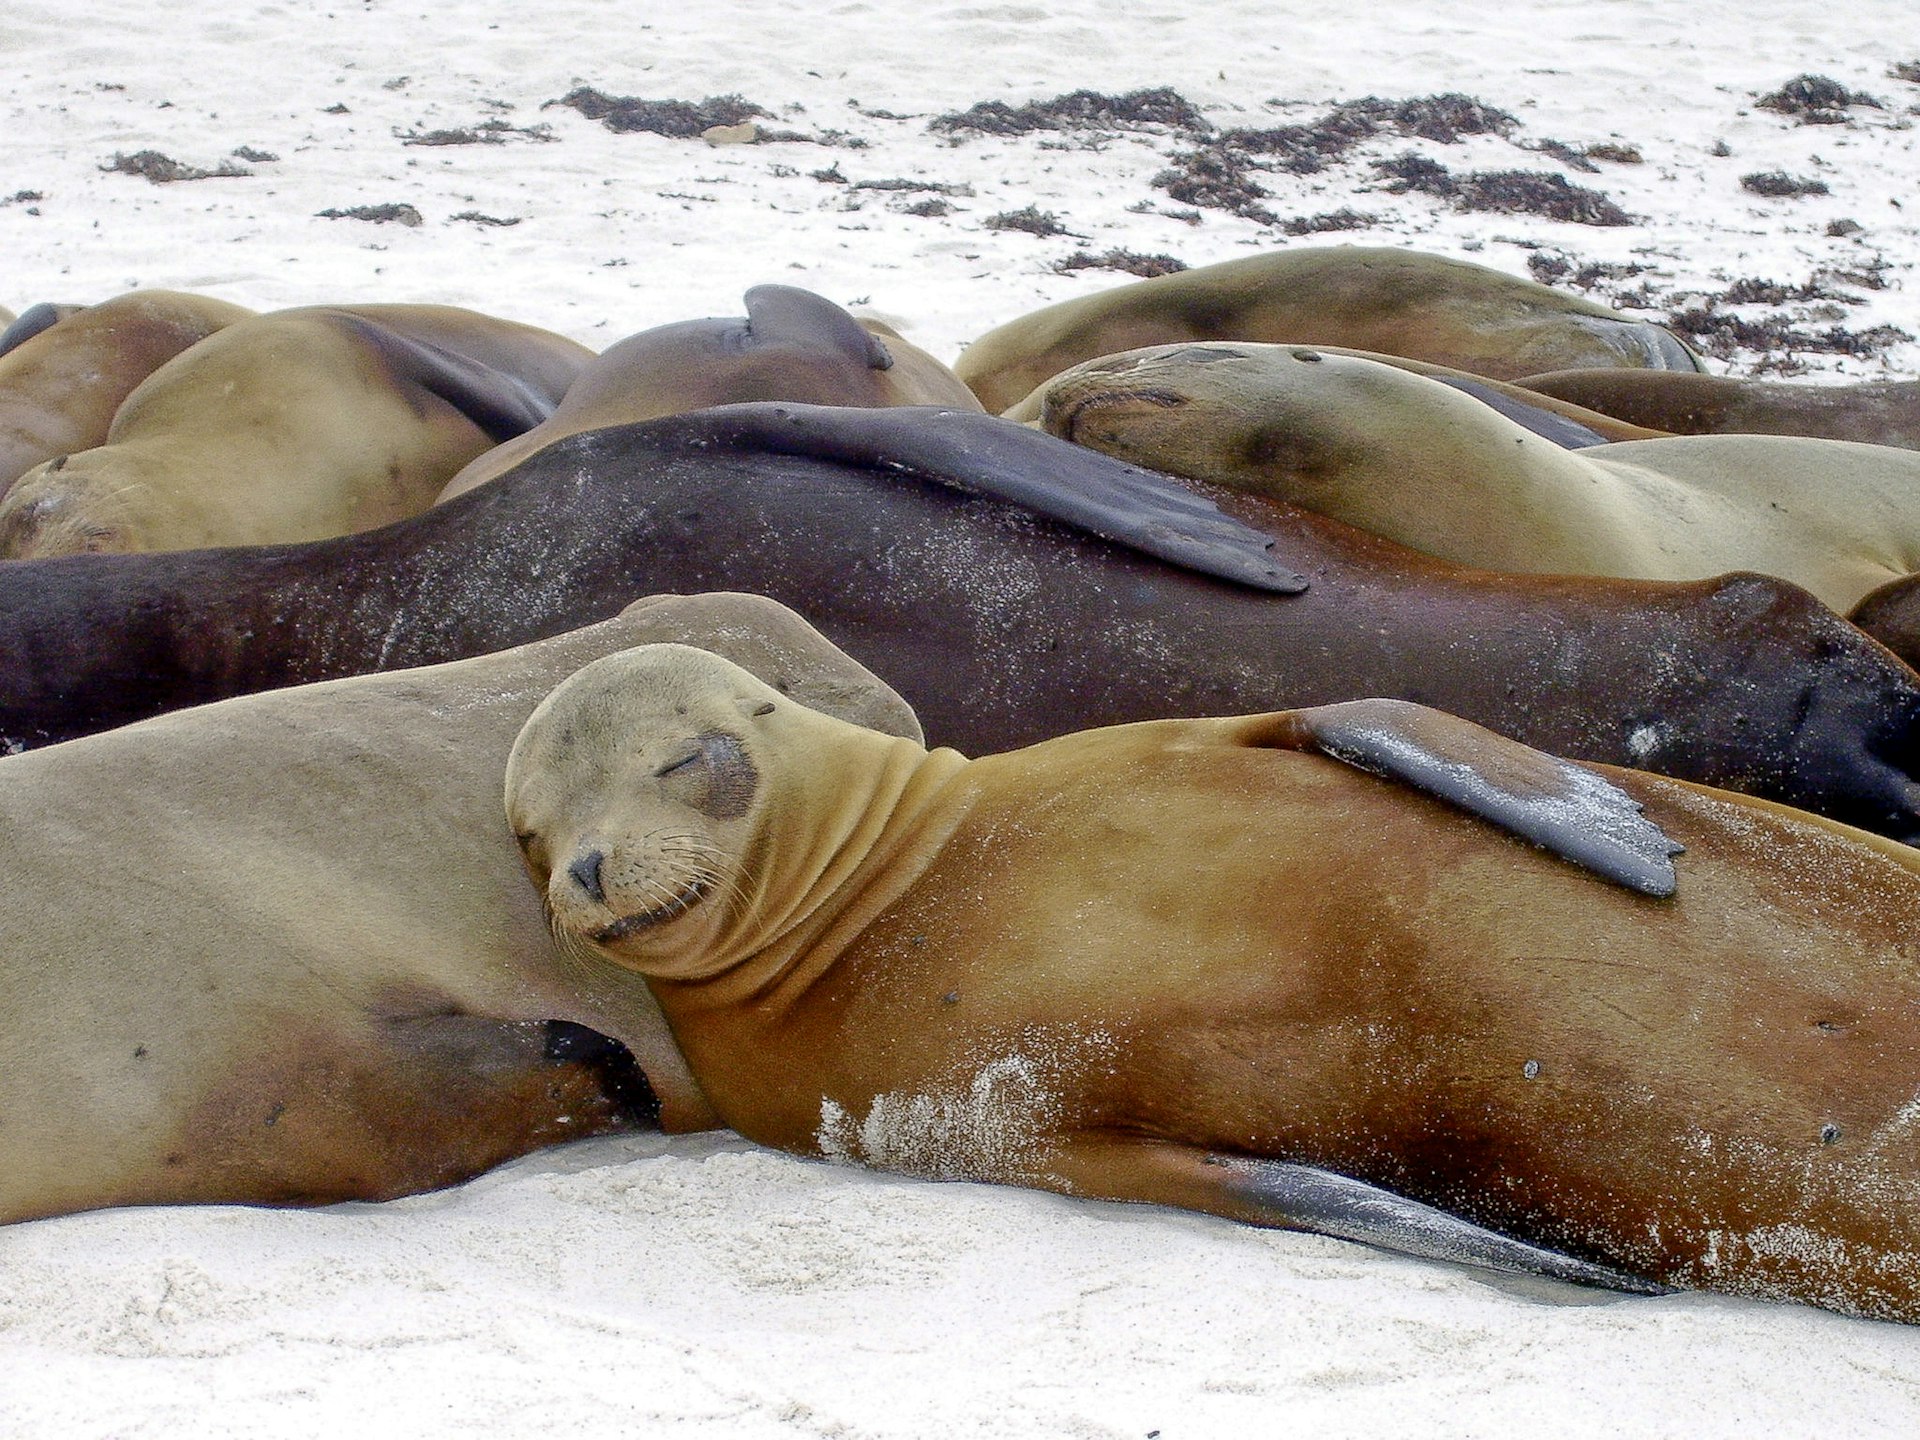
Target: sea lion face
column 66, row 507
column 634, row 792
column 1213, row 410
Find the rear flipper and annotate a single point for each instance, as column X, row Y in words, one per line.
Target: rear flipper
column 1286, row 1196
column 1300, row 1197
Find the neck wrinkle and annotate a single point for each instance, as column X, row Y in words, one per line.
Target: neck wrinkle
column 876, row 846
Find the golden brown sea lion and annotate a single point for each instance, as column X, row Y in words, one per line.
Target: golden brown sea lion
column 296, row 425
column 1883, row 412
column 1403, row 302
column 1179, row 961
column 279, row 950
column 1419, row 462
column 61, row 384
column 792, row 345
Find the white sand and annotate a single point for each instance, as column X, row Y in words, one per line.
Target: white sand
column 662, row 1288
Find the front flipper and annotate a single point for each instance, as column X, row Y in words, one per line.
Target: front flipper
column 788, row 315
column 1567, row 434
column 1300, row 1197
column 1556, row 804
column 501, row 404
column 985, row 455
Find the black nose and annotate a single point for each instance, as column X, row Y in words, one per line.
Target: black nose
column 586, row 874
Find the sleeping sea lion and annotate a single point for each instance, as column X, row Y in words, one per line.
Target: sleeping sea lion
column 280, row 951
column 1880, row 412
column 1425, row 307
column 1423, row 464
column 1246, row 966
column 1010, row 585
column 65, row 369
column 792, row 345
column 294, row 425
column 1570, row 426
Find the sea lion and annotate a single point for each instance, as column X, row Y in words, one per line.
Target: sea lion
column 1179, row 961
column 1570, row 426
column 294, row 425
column 1419, row 462
column 792, row 345
column 1425, row 307
column 279, row 950
column 1878, row 412
column 65, row 369
column 1891, row 614
column 920, row 542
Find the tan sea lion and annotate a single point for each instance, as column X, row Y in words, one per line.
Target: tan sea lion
column 1217, row 964
column 1882, row 412
column 792, row 345
column 61, row 384
column 279, row 950
column 1421, row 463
column 296, row 425
column 1568, row 425
column 1403, row 302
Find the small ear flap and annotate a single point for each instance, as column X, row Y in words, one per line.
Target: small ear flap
column 754, row 708
column 1554, row 803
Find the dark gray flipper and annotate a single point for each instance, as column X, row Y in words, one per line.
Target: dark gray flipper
column 1300, row 1197
column 1568, row 434
column 1556, row 804
column 985, row 455
column 499, row 402
column 788, row 315
column 31, row 321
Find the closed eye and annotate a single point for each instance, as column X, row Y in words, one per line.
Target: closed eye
column 681, row 763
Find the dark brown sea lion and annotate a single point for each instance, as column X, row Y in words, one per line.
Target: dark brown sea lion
column 791, row 345
column 295, row 425
column 280, row 951
column 1882, row 412
column 62, row 380
column 1418, row 461
column 1403, row 302
column 1178, row 962
column 1891, row 615
column 901, row 535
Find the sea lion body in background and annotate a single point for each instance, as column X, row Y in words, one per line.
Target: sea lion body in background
column 1140, row 964
column 280, row 950
column 1421, row 463
column 791, row 345
column 1403, row 302
column 1891, row 615
column 895, row 533
column 61, row 383
column 294, row 425
column 1882, row 412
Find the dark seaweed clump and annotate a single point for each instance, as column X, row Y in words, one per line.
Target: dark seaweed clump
column 1078, row 110
column 1342, row 219
column 1131, row 261
column 1722, row 336
column 680, row 119
column 1779, row 183
column 1907, row 70
column 1816, row 100
column 1029, row 219
column 1508, row 192
column 1220, row 174
column 162, row 170
column 401, row 214
column 1562, row 270
column 487, row 132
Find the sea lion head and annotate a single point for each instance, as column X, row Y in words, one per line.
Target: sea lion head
column 675, row 811
column 70, row 505
column 1215, row 410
